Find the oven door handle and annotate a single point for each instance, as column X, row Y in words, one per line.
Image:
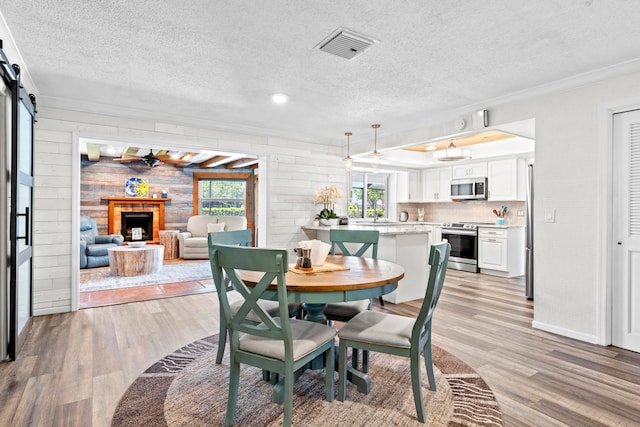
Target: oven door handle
column 460, row 232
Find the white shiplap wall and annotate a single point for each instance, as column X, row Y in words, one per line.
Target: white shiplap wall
column 294, row 171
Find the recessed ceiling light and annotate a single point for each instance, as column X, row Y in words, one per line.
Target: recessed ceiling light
column 431, row 147
column 279, row 98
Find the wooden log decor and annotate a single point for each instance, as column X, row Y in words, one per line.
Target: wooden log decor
column 169, row 239
column 130, row 261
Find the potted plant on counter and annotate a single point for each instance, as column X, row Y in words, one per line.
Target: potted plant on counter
column 328, row 196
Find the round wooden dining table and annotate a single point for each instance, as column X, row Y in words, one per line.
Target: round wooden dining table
column 357, row 279
column 354, row 278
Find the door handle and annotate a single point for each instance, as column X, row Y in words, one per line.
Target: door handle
column 26, row 227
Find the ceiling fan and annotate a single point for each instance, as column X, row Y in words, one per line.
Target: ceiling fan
column 151, row 160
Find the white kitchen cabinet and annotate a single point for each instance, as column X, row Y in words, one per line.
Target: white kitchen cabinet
column 470, row 170
column 506, row 179
column 501, row 251
column 436, row 234
column 436, row 185
column 415, row 190
column 408, row 187
column 492, row 249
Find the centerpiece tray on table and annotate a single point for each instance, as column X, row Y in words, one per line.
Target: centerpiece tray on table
column 324, row 268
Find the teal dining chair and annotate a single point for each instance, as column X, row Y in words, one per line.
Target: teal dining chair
column 241, row 238
column 399, row 335
column 281, row 345
column 344, row 311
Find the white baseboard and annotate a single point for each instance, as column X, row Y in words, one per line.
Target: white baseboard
column 51, row 310
column 592, row 339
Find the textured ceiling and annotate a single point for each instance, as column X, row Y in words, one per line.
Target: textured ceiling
column 215, row 63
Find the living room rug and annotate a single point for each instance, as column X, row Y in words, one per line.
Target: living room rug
column 96, row 279
column 187, row 388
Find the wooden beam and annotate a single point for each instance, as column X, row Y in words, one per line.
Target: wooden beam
column 93, row 152
column 214, row 159
column 247, row 162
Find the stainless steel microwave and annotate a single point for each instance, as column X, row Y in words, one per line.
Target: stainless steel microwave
column 469, row 189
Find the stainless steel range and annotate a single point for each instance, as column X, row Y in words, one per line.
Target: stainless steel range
column 463, row 237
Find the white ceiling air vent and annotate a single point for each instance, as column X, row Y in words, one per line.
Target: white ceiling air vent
column 346, row 43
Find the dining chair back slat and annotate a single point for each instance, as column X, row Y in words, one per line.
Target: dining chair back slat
column 367, row 238
column 233, row 237
column 273, row 263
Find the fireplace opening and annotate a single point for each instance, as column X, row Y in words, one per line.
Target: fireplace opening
column 136, row 226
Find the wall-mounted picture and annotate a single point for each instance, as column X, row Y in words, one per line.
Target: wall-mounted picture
column 136, row 187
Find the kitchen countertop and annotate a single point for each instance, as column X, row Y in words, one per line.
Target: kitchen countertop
column 387, row 229
column 396, row 227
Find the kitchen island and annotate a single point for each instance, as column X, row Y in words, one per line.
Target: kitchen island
column 404, row 243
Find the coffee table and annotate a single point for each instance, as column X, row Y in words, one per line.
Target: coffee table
column 130, row 261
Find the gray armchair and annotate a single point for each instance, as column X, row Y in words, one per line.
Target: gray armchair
column 193, row 244
column 93, row 248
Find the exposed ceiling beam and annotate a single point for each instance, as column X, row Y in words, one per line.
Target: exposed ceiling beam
column 212, row 161
column 240, row 163
column 93, row 152
column 187, row 157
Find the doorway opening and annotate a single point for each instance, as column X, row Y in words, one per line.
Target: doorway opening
column 105, row 168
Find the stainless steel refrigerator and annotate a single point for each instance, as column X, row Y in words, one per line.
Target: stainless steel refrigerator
column 529, row 236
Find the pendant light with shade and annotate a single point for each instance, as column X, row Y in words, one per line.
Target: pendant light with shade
column 451, row 153
column 348, row 163
column 375, row 156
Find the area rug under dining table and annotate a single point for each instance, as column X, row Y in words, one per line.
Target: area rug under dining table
column 187, row 388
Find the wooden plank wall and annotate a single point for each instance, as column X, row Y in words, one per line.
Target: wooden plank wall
column 107, row 178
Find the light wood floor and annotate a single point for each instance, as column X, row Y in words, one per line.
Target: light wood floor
column 75, row 366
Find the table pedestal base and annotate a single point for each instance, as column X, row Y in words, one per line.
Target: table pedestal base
column 315, row 312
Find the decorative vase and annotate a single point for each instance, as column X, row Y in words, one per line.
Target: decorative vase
column 330, row 222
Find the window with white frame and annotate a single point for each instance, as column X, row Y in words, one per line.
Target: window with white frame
column 368, row 197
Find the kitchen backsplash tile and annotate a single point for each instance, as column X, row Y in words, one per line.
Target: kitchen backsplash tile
column 466, row 211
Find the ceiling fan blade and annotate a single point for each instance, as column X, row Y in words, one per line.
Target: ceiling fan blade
column 127, row 158
column 165, row 158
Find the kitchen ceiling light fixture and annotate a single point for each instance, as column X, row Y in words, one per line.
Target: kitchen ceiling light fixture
column 431, row 147
column 375, row 156
column 348, row 163
column 279, row 98
column 451, row 153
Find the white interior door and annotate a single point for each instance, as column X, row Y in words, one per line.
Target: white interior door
column 626, row 231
